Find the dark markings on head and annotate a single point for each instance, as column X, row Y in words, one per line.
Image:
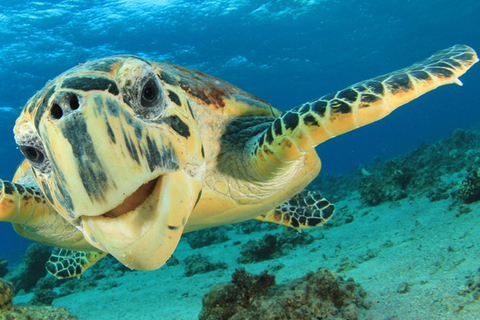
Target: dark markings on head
column 112, row 105
column 127, row 98
column 43, row 106
column 174, row 97
column 88, row 83
column 111, row 135
column 277, row 127
column 65, row 201
column 310, row 120
column 202, row 151
column 165, row 77
column 190, row 108
column 290, row 120
column 338, row 106
column 376, row 87
column 208, row 94
column 8, row 187
column 164, row 158
column 198, row 198
column 349, row 95
column 139, row 131
column 132, row 150
column 400, row 82
column 103, row 65
column 441, row 72
column 178, row 125
column 89, row 166
column 319, row 107
column 173, row 227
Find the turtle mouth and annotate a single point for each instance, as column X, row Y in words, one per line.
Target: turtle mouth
column 134, row 200
column 144, row 230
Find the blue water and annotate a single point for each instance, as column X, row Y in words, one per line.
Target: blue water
column 286, row 52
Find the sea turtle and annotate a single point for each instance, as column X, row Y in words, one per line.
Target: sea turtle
column 123, row 155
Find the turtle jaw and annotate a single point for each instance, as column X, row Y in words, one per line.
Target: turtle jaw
column 144, row 235
column 134, row 200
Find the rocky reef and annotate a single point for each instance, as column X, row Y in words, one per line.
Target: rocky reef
column 206, row 237
column 319, row 295
column 26, row 275
column 419, row 173
column 3, row 267
column 469, row 189
column 10, row 312
column 273, row 246
column 198, row 263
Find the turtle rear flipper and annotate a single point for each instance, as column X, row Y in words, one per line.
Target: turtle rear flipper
column 65, row 264
column 307, row 209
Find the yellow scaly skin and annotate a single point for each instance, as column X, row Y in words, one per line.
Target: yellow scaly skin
column 135, row 152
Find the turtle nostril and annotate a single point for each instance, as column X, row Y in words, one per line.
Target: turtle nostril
column 56, row 111
column 74, row 104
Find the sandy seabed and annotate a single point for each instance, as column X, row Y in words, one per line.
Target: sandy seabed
column 427, row 249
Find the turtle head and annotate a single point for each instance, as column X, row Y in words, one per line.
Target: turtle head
column 117, row 152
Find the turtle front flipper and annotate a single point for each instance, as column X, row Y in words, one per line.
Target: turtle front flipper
column 65, row 264
column 307, row 209
column 24, row 205
column 301, row 129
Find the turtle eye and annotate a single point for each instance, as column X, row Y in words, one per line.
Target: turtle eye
column 149, row 94
column 34, row 155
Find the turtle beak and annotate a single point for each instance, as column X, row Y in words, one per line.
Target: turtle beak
column 144, row 235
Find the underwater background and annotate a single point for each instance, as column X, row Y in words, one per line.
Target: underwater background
column 286, row 52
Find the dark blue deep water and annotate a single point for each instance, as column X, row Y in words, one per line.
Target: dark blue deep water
column 286, row 52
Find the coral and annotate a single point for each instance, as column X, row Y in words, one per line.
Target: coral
column 420, row 172
column 11, row 312
column 44, row 294
column 3, row 267
column 262, row 249
column 198, row 263
column 206, row 237
column 37, row 313
column 227, row 299
column 389, row 185
column 469, row 190
column 26, row 275
column 320, row 295
column 6, row 294
column 272, row 246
